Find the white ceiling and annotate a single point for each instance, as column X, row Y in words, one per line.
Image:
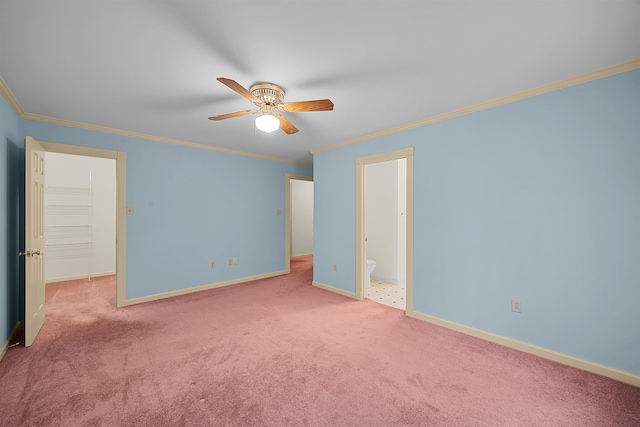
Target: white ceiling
column 150, row 66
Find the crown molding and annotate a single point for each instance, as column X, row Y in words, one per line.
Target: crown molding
column 6, row 93
column 163, row 140
column 552, row 87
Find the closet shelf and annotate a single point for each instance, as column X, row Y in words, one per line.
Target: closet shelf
column 69, row 222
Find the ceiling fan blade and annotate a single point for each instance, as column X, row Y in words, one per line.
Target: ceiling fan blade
column 302, row 106
column 232, row 84
column 287, row 126
column 231, row 115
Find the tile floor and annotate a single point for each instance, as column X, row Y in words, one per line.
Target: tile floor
column 387, row 294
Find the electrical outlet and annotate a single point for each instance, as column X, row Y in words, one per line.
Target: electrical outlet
column 230, row 262
column 516, row 305
column 235, row 261
column 335, row 267
column 212, row 264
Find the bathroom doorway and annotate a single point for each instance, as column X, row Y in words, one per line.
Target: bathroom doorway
column 386, row 214
column 401, row 162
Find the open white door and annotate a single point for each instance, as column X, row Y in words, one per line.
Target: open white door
column 34, row 254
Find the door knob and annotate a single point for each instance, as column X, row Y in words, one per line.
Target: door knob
column 34, row 253
column 28, row 253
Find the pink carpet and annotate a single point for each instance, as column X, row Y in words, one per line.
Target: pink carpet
column 280, row 352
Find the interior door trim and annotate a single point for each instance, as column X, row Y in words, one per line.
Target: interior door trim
column 121, row 200
column 361, row 219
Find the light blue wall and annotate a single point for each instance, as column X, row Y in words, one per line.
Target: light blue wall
column 192, row 206
column 538, row 200
column 11, row 205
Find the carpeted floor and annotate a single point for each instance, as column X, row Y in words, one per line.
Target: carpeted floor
column 280, row 352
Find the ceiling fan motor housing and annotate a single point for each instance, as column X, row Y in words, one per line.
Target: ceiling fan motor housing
column 269, row 93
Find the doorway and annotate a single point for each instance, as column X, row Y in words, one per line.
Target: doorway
column 80, row 223
column 120, row 202
column 361, row 220
column 299, row 224
column 386, row 232
column 35, row 252
column 80, row 237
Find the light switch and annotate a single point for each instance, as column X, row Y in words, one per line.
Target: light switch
column 129, row 210
column 278, row 212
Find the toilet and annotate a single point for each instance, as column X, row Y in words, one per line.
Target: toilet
column 371, row 265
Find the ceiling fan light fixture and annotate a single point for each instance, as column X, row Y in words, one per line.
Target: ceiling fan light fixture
column 267, row 123
column 269, row 99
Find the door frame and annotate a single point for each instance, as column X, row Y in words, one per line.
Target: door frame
column 121, row 200
column 289, row 226
column 361, row 219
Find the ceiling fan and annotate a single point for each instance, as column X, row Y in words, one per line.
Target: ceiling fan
column 269, row 99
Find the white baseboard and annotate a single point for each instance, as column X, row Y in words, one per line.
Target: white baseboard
column 334, row 289
column 5, row 346
column 176, row 293
column 575, row 362
column 81, row 276
column 301, row 256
